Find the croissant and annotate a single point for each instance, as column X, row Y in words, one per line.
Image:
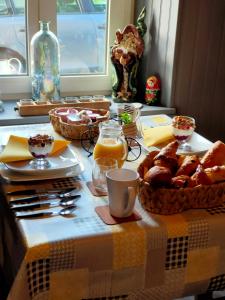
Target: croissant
column 167, row 157
column 216, row 173
column 188, row 165
column 215, row 156
column 180, row 158
column 200, row 177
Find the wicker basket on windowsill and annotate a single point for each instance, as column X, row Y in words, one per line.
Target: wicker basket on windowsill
column 169, row 200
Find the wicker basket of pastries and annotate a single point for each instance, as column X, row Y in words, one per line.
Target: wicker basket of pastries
column 73, row 122
column 171, row 183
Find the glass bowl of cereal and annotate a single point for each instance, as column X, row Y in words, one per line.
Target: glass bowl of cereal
column 40, row 146
column 183, row 128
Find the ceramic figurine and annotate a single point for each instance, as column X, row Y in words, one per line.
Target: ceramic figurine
column 152, row 92
column 125, row 56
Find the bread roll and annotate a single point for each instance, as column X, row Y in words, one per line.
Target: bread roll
column 216, row 174
column 147, row 163
column 188, row 165
column 215, row 156
column 158, row 176
column 200, row 177
column 181, row 181
column 167, row 157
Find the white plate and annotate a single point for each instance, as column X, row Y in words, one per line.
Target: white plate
column 155, row 120
column 199, row 145
column 137, row 105
column 64, row 161
column 18, row 177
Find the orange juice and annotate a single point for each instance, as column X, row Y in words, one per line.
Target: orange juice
column 111, row 148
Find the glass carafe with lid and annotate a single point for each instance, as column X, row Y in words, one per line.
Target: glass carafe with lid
column 111, row 142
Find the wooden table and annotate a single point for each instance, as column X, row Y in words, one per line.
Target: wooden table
column 157, row 257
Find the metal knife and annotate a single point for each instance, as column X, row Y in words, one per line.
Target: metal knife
column 36, row 215
column 39, row 205
column 34, row 192
column 37, row 198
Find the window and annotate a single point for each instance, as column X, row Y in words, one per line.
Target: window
column 19, row 6
column 13, row 38
column 81, row 30
column 99, row 5
column 86, row 71
column 64, row 7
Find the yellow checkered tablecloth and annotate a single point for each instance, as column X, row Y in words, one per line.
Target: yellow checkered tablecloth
column 156, row 258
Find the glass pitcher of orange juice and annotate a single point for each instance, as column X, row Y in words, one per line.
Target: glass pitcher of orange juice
column 111, row 142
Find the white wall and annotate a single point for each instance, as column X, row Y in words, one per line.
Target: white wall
column 161, row 21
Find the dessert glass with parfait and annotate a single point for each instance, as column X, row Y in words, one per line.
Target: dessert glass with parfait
column 183, row 128
column 40, row 145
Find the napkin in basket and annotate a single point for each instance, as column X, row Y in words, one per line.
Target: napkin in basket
column 17, row 149
column 157, row 135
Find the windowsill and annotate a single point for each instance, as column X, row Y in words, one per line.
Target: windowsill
column 11, row 117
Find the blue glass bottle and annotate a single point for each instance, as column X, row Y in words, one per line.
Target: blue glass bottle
column 45, row 60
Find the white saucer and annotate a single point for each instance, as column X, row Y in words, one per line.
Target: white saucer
column 64, row 161
column 9, row 175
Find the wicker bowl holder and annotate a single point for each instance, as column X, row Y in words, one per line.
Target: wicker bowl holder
column 74, row 131
column 168, row 201
column 130, row 130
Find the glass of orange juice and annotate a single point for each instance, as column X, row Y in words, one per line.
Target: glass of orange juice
column 111, row 142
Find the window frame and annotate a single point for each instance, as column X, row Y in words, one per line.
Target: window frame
column 121, row 13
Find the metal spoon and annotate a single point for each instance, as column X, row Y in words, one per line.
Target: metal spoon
column 65, row 212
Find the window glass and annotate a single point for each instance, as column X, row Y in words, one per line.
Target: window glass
column 19, row 7
column 81, row 30
column 67, row 6
column 99, row 5
column 3, row 8
column 13, row 39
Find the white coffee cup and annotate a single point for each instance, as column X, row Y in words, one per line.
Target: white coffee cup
column 122, row 185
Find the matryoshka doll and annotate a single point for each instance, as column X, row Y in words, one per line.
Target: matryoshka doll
column 152, row 92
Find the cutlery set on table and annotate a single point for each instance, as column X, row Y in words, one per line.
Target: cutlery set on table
column 30, row 203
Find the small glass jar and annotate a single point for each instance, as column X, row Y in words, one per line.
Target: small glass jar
column 71, row 99
column 85, row 99
column 26, row 102
column 98, row 98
